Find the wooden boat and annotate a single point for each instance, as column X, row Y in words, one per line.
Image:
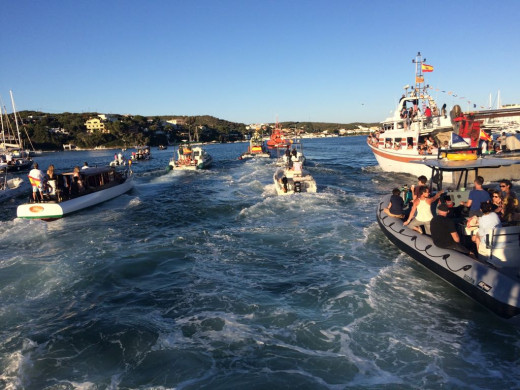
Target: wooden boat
column 494, row 279
column 68, row 194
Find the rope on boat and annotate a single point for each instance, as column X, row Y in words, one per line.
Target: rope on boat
column 414, row 239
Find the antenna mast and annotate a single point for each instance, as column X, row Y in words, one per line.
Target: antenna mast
column 419, row 77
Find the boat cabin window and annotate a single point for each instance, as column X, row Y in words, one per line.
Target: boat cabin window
column 92, row 181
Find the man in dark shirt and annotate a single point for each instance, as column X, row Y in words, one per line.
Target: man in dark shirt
column 444, row 233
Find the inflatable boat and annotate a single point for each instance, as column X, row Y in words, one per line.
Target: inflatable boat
column 494, row 279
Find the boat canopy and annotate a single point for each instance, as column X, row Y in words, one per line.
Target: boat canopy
column 439, row 166
column 453, row 165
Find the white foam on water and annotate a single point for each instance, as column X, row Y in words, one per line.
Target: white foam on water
column 15, row 364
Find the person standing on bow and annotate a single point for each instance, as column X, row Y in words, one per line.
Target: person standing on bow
column 422, row 204
column 36, row 179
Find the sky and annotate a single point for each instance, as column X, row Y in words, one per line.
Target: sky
column 255, row 61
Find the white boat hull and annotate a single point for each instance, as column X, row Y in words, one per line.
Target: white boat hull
column 255, row 155
column 52, row 210
column 399, row 162
column 14, row 187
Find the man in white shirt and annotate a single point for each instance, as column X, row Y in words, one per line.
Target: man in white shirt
column 36, row 179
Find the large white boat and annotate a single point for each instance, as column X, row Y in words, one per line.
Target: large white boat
column 295, row 179
column 419, row 128
column 190, row 158
column 69, row 193
column 494, row 279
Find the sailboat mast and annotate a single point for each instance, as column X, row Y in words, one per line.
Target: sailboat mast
column 2, row 121
column 16, row 120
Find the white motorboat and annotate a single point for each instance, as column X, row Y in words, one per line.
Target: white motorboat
column 418, row 128
column 11, row 188
column 293, row 180
column 119, row 160
column 494, row 279
column 141, row 153
column 190, row 158
column 68, row 193
column 292, row 153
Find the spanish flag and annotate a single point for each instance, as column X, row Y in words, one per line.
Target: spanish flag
column 34, row 181
column 485, row 136
column 426, row 68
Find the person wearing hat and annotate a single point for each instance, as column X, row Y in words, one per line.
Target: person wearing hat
column 444, row 233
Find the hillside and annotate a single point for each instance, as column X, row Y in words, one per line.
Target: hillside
column 50, row 131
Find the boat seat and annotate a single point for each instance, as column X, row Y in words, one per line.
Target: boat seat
column 297, row 168
column 503, row 245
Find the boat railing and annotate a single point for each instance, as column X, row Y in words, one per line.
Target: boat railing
column 503, row 245
column 442, row 152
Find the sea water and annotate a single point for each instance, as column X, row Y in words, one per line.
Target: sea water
column 208, row 280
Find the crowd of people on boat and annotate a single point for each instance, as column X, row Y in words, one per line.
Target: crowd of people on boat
column 141, row 154
column 429, row 145
column 52, row 186
column 408, row 115
column 291, row 157
column 485, row 209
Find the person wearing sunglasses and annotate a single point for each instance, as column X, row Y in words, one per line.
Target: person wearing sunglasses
column 496, row 201
column 510, row 207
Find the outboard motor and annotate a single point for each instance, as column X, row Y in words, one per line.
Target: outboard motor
column 297, row 186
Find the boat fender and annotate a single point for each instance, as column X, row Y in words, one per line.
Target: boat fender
column 297, row 186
